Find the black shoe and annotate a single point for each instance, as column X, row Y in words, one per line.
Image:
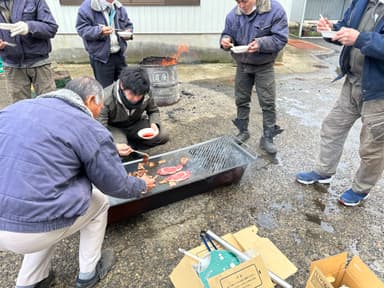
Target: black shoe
column 104, row 265
column 47, row 282
column 267, row 145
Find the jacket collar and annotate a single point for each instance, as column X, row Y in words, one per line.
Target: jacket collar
column 262, row 6
column 116, row 95
column 96, row 5
column 69, row 97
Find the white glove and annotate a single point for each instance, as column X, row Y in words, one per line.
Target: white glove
column 19, row 28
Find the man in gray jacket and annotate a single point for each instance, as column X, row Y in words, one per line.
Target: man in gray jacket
column 128, row 108
column 261, row 25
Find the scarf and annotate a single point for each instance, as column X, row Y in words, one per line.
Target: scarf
column 69, row 97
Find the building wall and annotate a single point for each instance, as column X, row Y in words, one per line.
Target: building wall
column 158, row 30
column 207, row 18
column 331, row 9
column 297, row 10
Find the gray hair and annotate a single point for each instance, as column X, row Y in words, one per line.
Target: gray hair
column 85, row 87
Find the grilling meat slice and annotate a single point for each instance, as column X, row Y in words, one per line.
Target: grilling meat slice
column 183, row 161
column 172, row 183
column 139, row 173
column 179, row 176
column 151, row 164
column 169, row 170
column 140, row 166
column 164, row 181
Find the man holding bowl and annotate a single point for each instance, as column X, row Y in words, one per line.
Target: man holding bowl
column 131, row 110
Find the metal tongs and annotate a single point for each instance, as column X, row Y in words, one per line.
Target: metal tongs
column 143, row 154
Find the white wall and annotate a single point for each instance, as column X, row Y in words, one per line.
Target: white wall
column 297, row 10
column 207, row 18
column 158, row 31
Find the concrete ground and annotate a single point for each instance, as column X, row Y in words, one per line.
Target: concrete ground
column 305, row 222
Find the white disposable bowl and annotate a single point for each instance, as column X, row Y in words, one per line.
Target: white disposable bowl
column 144, row 131
column 124, row 34
column 328, row 34
column 240, row 49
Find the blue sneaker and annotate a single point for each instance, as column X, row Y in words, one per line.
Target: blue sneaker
column 350, row 198
column 312, row 177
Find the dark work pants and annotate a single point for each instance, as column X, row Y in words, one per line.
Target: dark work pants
column 138, row 143
column 19, row 81
column 107, row 73
column 263, row 77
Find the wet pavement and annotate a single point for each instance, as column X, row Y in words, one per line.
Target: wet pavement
column 305, row 222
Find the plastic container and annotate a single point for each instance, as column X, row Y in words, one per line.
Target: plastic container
column 1, row 66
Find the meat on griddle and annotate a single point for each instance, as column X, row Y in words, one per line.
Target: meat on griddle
column 151, row 164
column 173, row 169
column 140, row 166
column 169, row 170
column 184, row 161
column 174, row 173
column 179, row 176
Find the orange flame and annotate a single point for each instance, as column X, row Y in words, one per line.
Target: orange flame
column 183, row 48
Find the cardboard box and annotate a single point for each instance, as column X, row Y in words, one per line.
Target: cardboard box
column 333, row 272
column 250, row 274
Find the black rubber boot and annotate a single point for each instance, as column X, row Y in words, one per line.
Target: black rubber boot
column 266, row 142
column 242, row 125
column 277, row 130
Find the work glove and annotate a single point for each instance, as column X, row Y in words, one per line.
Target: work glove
column 19, row 28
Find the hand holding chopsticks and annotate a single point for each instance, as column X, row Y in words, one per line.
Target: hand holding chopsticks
column 10, row 44
column 324, row 24
column 3, row 44
column 113, row 29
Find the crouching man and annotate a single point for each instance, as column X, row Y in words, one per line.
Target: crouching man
column 129, row 108
column 48, row 168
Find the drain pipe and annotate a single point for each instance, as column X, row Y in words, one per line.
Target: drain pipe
column 303, row 19
column 243, row 257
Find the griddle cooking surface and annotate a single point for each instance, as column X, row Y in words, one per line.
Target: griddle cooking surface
column 205, row 160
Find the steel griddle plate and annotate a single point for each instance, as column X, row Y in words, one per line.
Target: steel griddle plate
column 213, row 163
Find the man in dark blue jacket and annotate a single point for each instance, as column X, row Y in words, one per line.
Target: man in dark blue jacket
column 104, row 26
column 26, row 29
column 52, row 151
column 261, row 25
column 361, row 31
